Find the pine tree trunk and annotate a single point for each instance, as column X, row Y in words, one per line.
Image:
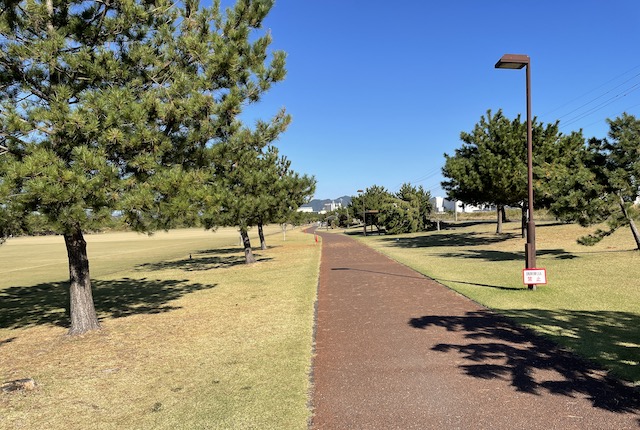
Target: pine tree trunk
column 523, row 220
column 634, row 231
column 263, row 243
column 82, row 310
column 499, row 225
column 249, row 258
column 632, row 224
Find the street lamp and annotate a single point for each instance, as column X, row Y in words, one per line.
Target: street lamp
column 516, row 61
column 364, row 214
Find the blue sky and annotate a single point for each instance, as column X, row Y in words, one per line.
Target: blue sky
column 380, row 90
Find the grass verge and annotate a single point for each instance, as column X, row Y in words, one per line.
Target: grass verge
column 186, row 343
column 590, row 305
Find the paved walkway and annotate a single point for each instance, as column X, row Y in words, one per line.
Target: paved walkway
column 396, row 350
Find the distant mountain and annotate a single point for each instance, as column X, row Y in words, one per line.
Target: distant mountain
column 317, row 204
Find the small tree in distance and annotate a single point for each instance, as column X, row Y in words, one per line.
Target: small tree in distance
column 406, row 211
column 256, row 186
column 283, row 189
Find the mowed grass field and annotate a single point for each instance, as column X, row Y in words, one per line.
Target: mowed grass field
column 191, row 337
column 590, row 305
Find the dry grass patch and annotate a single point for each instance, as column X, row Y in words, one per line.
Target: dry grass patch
column 591, row 303
column 215, row 345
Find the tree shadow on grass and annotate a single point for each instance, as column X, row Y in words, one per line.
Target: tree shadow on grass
column 468, row 223
column 496, row 348
column 609, row 337
column 484, row 254
column 48, row 303
column 492, row 255
column 466, row 240
column 447, row 240
column 204, row 260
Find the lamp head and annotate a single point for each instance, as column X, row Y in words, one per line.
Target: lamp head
column 512, row 61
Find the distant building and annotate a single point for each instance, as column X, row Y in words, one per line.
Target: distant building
column 440, row 205
column 325, row 205
column 330, row 207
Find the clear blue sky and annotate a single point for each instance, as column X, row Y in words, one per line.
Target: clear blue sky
column 380, row 90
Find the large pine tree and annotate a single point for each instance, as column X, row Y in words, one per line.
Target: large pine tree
column 602, row 181
column 112, row 106
column 491, row 165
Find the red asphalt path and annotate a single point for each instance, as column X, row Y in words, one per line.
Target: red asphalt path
column 396, row 350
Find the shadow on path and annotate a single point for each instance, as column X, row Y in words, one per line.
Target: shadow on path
column 498, row 349
column 378, row 273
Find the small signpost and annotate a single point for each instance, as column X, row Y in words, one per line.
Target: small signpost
column 534, row 276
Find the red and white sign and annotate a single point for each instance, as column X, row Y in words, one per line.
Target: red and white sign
column 534, row 276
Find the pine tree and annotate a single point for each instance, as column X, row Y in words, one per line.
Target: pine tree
column 603, row 182
column 112, row 106
column 284, row 190
column 256, row 186
column 491, row 165
column 368, row 206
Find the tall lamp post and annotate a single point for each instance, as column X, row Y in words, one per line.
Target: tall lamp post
column 364, row 214
column 517, row 61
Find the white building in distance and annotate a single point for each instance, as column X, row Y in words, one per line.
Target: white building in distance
column 330, row 207
column 440, row 205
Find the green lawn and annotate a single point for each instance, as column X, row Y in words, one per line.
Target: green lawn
column 591, row 303
column 186, row 343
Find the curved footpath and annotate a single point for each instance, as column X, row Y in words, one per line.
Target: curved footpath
column 396, row 350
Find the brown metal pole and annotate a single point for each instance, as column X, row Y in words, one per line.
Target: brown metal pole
column 531, row 226
column 364, row 216
column 518, row 61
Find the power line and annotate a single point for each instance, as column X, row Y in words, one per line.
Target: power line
column 602, row 95
column 616, row 115
column 600, row 106
column 585, row 110
column 593, row 90
column 429, row 174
